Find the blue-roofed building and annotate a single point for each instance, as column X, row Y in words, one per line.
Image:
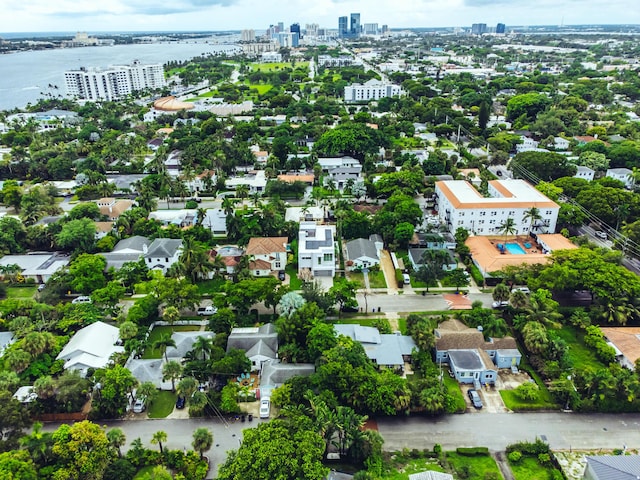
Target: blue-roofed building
column 386, row 350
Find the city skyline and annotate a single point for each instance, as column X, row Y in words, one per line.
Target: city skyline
column 213, row 15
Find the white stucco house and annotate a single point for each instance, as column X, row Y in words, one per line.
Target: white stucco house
column 316, row 249
column 162, row 253
column 623, row 174
column 91, row 347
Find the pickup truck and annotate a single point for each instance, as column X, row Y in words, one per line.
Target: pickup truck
column 205, row 311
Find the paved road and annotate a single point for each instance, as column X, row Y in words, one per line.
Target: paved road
column 563, row 431
column 413, row 302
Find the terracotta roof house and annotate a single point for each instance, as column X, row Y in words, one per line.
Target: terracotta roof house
column 307, row 179
column 113, row 208
column 267, row 255
column 626, row 342
column 473, row 359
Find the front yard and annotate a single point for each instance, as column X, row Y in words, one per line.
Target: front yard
column 376, row 279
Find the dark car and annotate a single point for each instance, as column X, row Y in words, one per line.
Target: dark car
column 349, row 309
column 281, row 276
column 180, row 402
column 475, row 398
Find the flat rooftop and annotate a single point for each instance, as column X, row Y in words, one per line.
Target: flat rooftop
column 506, row 194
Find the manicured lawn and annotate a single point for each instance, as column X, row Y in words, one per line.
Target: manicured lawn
column 266, row 67
column 21, row 292
column 399, row 467
column 513, row 402
column 158, row 332
column 528, row 468
column 453, row 388
column 294, row 281
column 579, row 354
column 210, row 286
column 261, row 88
column 478, row 467
column 376, row 279
column 162, row 405
column 402, row 325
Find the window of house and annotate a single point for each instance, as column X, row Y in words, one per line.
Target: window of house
column 319, row 261
column 492, row 222
column 277, row 264
column 512, row 213
column 166, row 260
column 462, row 214
column 328, row 257
column 460, row 222
column 548, row 212
column 494, row 213
column 480, row 222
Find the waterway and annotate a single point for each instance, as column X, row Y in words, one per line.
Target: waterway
column 27, row 76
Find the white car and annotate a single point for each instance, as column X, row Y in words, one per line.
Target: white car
column 265, row 408
column 522, row 289
column 502, row 304
column 601, row 234
column 139, row 405
column 82, row 299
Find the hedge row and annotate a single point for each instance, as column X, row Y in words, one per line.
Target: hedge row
column 473, row 451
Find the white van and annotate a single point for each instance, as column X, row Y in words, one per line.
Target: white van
column 406, row 278
column 82, row 299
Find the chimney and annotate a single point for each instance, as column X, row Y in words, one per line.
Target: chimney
column 145, row 249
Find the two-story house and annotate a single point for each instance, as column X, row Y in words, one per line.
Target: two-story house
column 316, row 249
column 267, row 255
column 162, row 253
column 113, row 208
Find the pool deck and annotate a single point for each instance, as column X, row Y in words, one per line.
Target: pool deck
column 489, row 258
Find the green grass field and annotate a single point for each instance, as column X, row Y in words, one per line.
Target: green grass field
column 453, row 388
column 478, row 467
column 513, row 402
column 376, row 279
column 528, row 468
column 260, row 88
column 294, row 281
column 21, row 292
column 579, row 354
column 399, row 467
column 157, row 332
column 162, row 405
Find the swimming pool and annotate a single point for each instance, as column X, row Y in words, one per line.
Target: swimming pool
column 514, row 249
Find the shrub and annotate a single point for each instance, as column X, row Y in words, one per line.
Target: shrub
column 529, row 448
column 191, row 205
column 472, row 451
column 437, row 448
column 544, row 459
column 399, row 278
column 515, row 456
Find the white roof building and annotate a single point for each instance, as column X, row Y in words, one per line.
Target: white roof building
column 37, row 266
column 316, row 249
column 623, row 174
column 460, row 205
column 256, row 181
column 371, row 90
column 91, row 347
column 585, row 172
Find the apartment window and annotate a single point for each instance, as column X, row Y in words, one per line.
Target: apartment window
column 494, row 213
column 480, row 222
column 166, row 260
column 319, row 261
column 483, row 213
column 462, row 214
column 512, row 213
column 328, row 257
column 460, row 222
column 492, row 222
column 548, row 212
column 277, row 264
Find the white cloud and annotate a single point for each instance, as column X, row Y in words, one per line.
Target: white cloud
column 123, row 15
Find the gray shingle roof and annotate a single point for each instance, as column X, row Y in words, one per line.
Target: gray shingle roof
column 136, row 242
column 615, row 467
column 246, row 338
column 184, row 342
column 361, row 247
column 163, row 247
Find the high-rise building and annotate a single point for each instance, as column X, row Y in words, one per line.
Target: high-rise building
column 385, row 29
column 280, row 27
column 343, row 26
column 355, row 24
column 370, row 28
column 478, row 28
column 115, row 82
column 500, row 28
column 295, row 28
column 248, row 36
column 311, row 29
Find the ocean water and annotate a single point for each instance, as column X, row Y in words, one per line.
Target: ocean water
column 27, row 76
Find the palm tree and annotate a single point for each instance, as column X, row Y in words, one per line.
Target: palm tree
column 197, row 402
column 202, row 440
column 501, row 292
column 228, row 205
column 172, row 371
column 171, row 315
column 158, row 438
column 201, row 214
column 187, row 386
column 162, row 344
column 535, row 337
column 202, row 346
column 242, row 191
column 533, row 215
column 508, row 227
column 117, row 439
column 38, row 444
column 148, row 391
column 17, row 359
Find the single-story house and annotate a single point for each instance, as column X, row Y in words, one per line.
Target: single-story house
column 148, row 370
column 184, row 343
column 361, row 253
column 612, row 467
column 91, row 347
column 472, row 358
column 386, row 350
column 37, row 266
column 260, row 344
column 127, row 250
column 416, row 259
column 273, row 374
column 434, row 241
column 623, row 174
column 585, row 173
column 216, row 221
column 180, row 218
column 304, row 214
column 626, row 342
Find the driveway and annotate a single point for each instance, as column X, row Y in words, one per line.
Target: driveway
column 386, row 264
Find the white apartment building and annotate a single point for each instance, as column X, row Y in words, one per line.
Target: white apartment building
column 371, row 90
column 316, row 249
column 114, row 82
column 623, row 174
column 460, row 205
column 585, row 173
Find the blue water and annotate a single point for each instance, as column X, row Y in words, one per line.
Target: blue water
column 514, row 249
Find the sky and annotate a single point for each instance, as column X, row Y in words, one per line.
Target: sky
column 207, row 15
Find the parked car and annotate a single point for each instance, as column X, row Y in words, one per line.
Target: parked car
column 349, row 309
column 406, row 279
column 180, row 402
column 82, row 299
column 501, row 304
column 139, row 405
column 601, row 234
column 41, row 287
column 205, row 311
column 265, row 408
column 281, row 275
column 475, row 398
column 522, row 289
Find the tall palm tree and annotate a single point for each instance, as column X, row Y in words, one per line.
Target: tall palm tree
column 201, row 214
column 242, row 191
column 117, row 439
column 148, row 391
column 172, row 371
column 202, row 440
column 228, row 205
column 501, row 292
column 533, row 215
column 162, row 343
column 187, row 386
column 158, row 438
column 508, row 227
column 202, row 346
